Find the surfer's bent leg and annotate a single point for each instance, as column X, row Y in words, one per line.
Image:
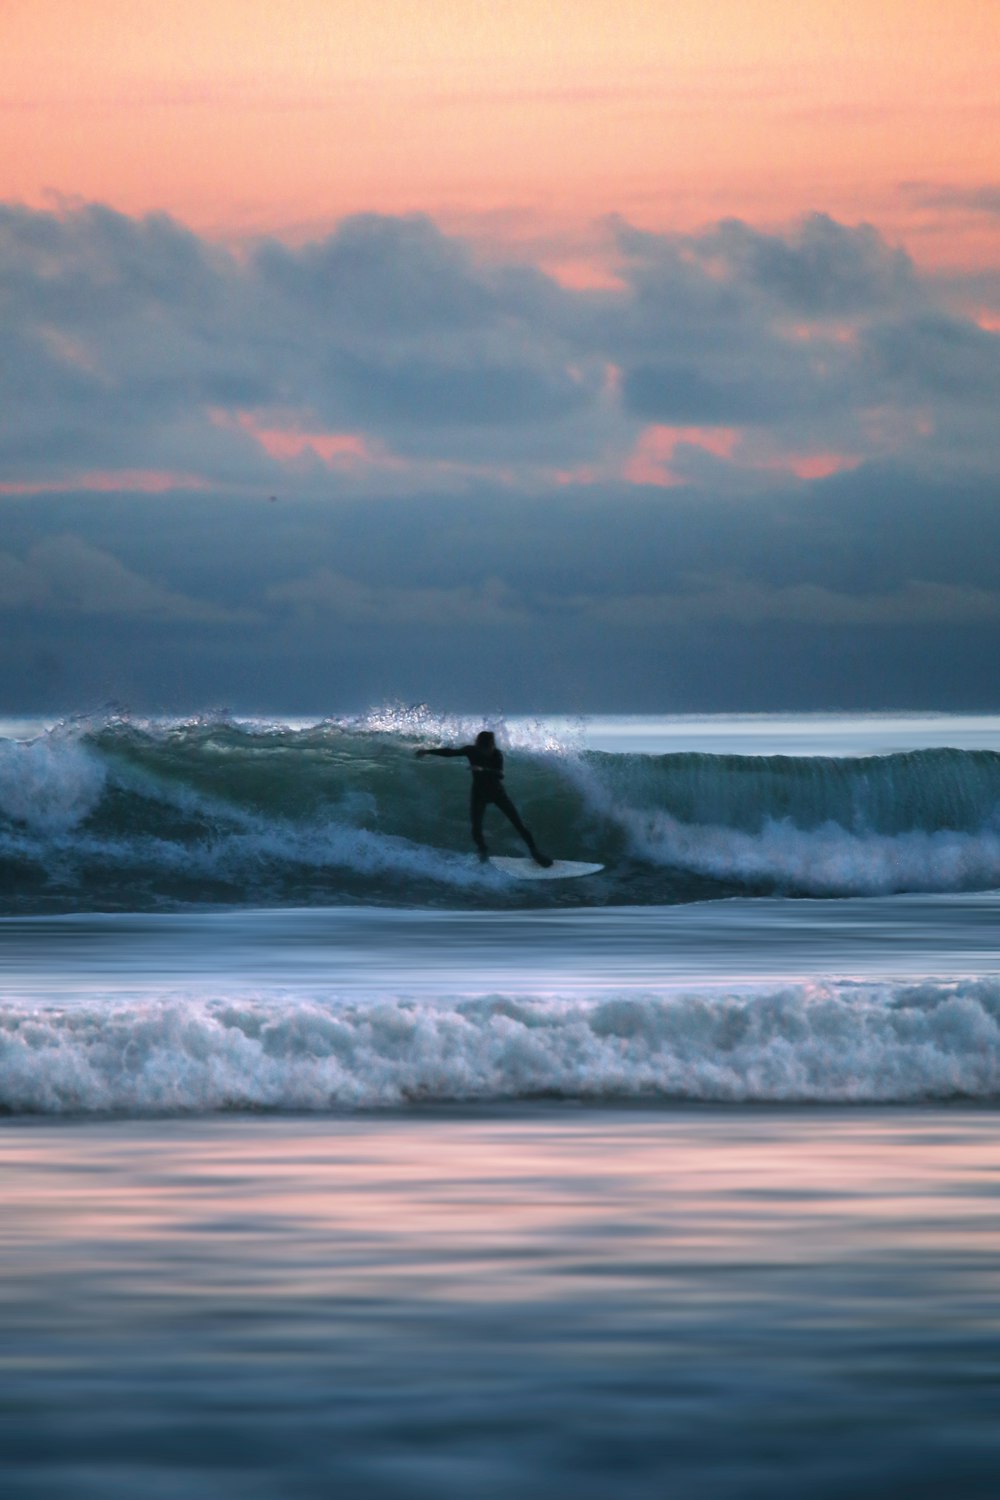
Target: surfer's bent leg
column 507, row 807
column 477, row 807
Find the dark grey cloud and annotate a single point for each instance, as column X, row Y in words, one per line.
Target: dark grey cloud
column 936, row 356
column 871, row 589
column 325, row 595
column 680, row 394
column 982, row 198
column 66, row 576
column 819, row 269
column 134, row 344
column 742, row 602
column 429, row 392
column 401, row 274
column 737, row 327
column 484, row 534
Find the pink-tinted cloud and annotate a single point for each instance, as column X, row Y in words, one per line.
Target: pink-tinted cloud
column 288, row 443
column 120, row 482
column 136, row 356
column 650, row 460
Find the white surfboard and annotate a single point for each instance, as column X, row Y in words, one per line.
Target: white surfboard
column 526, row 869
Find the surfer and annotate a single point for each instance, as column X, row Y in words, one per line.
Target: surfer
column 486, row 765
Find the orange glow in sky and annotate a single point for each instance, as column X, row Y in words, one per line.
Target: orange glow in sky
column 247, row 115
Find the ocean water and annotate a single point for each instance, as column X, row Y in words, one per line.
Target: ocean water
column 333, row 1162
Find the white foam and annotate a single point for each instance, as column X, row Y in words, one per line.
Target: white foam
column 234, row 854
column 49, row 784
column 827, row 1043
column 828, row 860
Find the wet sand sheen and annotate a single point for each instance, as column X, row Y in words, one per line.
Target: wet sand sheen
column 523, row 1302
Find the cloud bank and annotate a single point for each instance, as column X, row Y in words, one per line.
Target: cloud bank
column 386, row 355
column 759, row 470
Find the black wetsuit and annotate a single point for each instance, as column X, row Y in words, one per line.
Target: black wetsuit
column 487, row 787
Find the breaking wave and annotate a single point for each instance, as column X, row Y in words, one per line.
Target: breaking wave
column 818, row 1043
column 120, row 813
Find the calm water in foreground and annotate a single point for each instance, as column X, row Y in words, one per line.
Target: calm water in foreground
column 592, row 1302
column 450, row 1196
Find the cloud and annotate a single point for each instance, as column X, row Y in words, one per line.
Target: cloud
column 746, row 602
column 325, row 592
column 868, row 588
column 982, row 198
column 22, row 586
column 735, row 326
column 712, row 600
column 431, row 391
column 681, row 393
column 67, row 576
column 820, row 268
column 934, row 356
column 135, row 345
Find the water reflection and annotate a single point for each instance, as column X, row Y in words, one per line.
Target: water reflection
column 602, row 1302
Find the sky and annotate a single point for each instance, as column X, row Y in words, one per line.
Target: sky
column 574, row 357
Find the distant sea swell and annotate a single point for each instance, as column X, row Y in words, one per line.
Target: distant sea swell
column 829, row 1043
column 118, row 813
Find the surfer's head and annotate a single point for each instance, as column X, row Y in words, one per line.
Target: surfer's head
column 485, row 740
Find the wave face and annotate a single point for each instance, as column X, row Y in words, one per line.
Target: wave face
column 806, row 1043
column 122, row 814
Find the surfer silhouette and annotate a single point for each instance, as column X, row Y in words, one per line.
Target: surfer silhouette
column 486, row 765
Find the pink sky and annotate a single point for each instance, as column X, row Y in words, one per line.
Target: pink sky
column 522, row 122
column 525, row 130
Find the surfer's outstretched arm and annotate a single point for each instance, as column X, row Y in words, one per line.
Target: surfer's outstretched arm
column 447, row 751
